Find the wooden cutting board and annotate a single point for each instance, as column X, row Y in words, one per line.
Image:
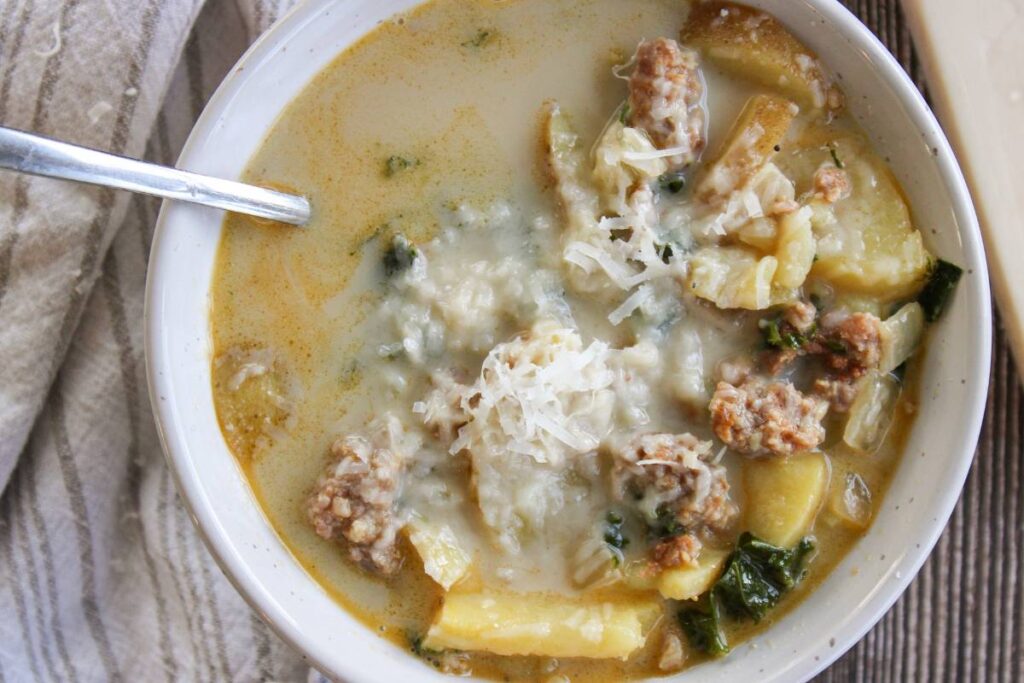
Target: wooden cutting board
column 972, row 54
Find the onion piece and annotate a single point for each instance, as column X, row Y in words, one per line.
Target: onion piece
column 872, row 411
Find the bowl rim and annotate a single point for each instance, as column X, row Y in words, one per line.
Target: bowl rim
column 172, row 432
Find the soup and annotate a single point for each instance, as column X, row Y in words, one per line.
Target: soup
column 599, row 350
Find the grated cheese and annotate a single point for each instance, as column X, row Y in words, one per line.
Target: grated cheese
column 632, row 302
column 538, row 396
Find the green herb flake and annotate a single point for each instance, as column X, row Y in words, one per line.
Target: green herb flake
column 672, row 182
column 399, row 256
column 482, row 37
column 666, row 525
column 942, row 280
column 835, row 156
column 771, row 333
column 396, row 164
column 613, row 531
column 702, row 625
column 835, row 346
column 664, row 252
column 624, row 113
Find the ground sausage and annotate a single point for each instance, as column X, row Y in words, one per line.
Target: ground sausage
column 671, row 476
column 853, row 342
column 760, row 417
column 839, row 393
column 677, row 551
column 355, row 498
column 831, row 183
column 665, row 98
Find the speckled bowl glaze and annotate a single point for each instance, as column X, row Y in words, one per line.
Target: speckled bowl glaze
column 859, row 591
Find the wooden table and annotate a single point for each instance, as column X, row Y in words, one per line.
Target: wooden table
column 960, row 620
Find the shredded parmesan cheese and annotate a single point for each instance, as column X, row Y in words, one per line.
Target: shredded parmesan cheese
column 632, row 302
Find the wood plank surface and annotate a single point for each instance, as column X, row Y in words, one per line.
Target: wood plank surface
column 960, row 620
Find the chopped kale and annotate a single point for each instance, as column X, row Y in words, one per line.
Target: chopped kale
column 396, row 164
column 399, row 256
column 666, row 525
column 835, row 346
column 758, row 573
column 835, row 157
column 778, row 336
column 664, row 250
column 482, row 37
column 941, row 283
column 613, row 531
column 702, row 625
column 772, row 336
column 624, row 113
column 672, row 181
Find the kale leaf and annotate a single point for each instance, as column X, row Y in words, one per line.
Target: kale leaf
column 673, row 182
column 941, row 283
column 758, row 573
column 701, row 623
column 613, row 531
column 398, row 256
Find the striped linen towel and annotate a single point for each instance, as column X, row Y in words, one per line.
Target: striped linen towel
column 102, row 576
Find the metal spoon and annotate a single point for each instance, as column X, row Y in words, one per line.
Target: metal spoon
column 38, row 155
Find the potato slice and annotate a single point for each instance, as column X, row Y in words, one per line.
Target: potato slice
column 783, row 495
column 762, row 233
column 750, row 145
column 444, row 560
column 545, row 625
column 874, row 249
column 753, row 44
column 867, row 244
column 732, row 277
column 795, row 250
column 689, row 583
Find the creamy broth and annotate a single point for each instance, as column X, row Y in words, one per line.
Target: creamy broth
column 431, row 128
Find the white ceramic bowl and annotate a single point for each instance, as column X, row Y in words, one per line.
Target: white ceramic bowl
column 839, row 612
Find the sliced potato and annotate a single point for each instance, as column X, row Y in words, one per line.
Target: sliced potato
column 615, row 172
column 732, row 277
column 867, row 244
column 541, row 624
column 753, row 44
column 444, row 559
column 783, row 495
column 795, row 250
column 901, row 335
column 750, row 144
column 760, row 233
column 689, row 583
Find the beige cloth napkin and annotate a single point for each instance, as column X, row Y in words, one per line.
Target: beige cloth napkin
column 102, row 576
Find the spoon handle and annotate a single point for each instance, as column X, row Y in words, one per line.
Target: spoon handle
column 35, row 154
